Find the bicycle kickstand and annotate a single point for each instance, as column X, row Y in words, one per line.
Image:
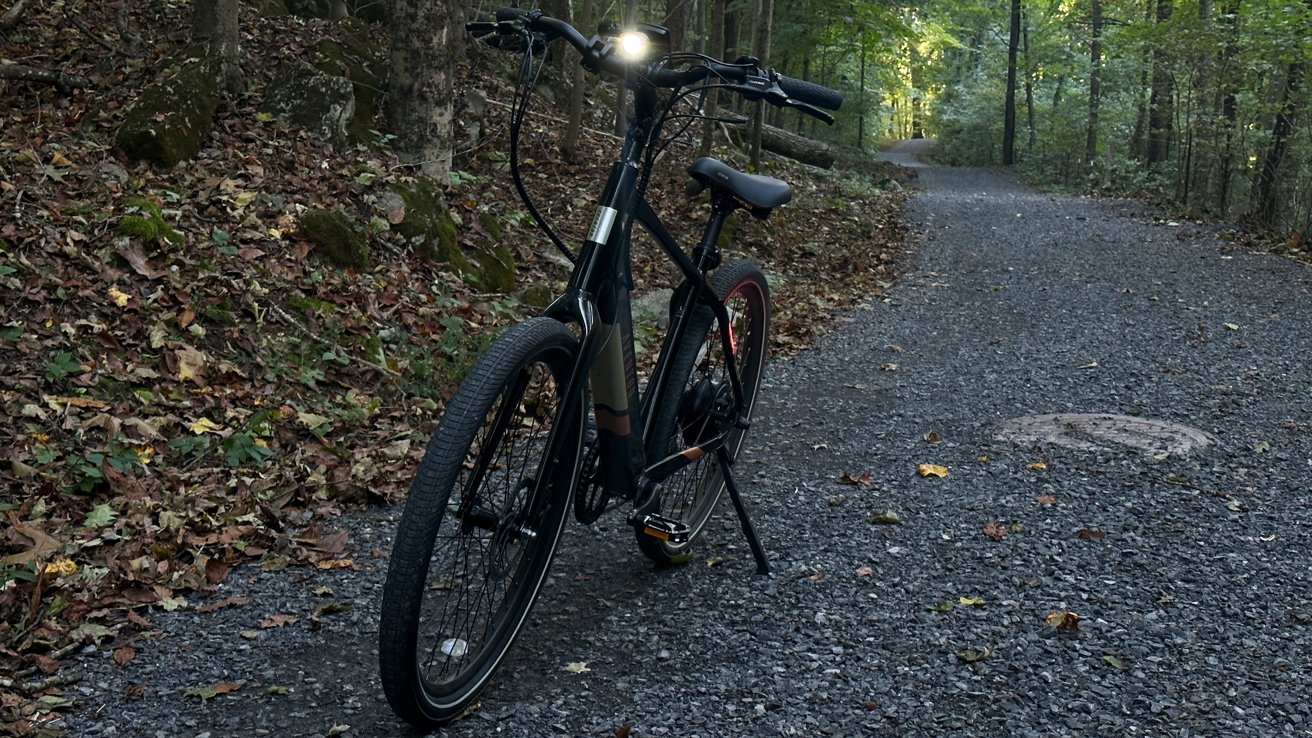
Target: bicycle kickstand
column 749, row 530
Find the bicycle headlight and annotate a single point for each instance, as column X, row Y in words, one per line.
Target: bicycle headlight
column 632, row 46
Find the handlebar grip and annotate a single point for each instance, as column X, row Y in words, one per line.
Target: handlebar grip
column 811, row 93
column 510, row 14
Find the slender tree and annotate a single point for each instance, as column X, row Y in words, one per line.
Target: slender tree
column 1266, row 197
column 715, row 49
column 1009, row 114
column 765, row 9
column 1161, row 101
column 1095, row 81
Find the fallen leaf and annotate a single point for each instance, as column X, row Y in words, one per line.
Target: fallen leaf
column 941, row 606
column 577, row 667
column 889, row 367
column 277, row 621
column 971, row 655
column 932, row 470
column 135, row 692
column 971, row 601
column 204, row 425
column 226, row 602
column 1089, row 534
column 191, row 365
column 1046, row 500
column 1113, row 662
column 337, row 730
column 119, row 297
column 886, row 517
column 1037, row 466
column 1231, row 326
column 335, row 564
column 226, row 687
column 124, row 654
column 717, row 560
column 862, row 479
column 215, row 571
column 1064, row 621
column 623, row 731
column 932, row 437
column 993, row 529
column 864, row 571
column 60, row 567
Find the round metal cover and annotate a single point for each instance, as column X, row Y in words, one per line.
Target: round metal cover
column 1097, row 432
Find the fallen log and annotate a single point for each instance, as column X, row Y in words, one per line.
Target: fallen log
column 793, row 146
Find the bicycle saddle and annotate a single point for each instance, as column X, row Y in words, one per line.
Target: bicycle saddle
column 754, row 189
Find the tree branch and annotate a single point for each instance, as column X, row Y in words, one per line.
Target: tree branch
column 62, row 80
column 13, row 15
column 72, row 18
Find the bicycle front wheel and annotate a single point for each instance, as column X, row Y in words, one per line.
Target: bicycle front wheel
column 697, row 395
column 480, row 526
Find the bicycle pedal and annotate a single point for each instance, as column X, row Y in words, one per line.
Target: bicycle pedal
column 663, row 528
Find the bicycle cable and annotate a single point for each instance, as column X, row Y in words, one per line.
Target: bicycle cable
column 524, row 86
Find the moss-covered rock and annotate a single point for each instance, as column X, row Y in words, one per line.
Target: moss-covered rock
column 320, row 103
column 337, row 238
column 147, row 224
column 426, row 223
column 497, row 270
column 537, row 295
column 171, row 119
column 268, row 8
column 357, row 59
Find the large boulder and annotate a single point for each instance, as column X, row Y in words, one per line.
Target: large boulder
column 357, row 59
column 172, row 118
column 337, row 238
column 497, row 271
column 318, row 102
column 418, row 211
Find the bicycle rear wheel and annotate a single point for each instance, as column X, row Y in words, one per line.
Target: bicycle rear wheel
column 697, row 396
column 481, row 524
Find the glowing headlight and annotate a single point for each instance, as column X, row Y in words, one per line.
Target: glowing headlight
column 632, row 46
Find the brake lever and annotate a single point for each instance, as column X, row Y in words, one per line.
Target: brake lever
column 812, row 111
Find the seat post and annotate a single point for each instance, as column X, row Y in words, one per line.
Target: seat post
column 707, row 253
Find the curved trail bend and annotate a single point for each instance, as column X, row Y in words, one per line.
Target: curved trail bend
column 1188, row 571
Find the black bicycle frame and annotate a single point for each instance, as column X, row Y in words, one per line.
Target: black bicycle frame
column 596, row 299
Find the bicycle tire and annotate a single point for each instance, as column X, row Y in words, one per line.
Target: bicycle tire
column 691, row 494
column 450, row 612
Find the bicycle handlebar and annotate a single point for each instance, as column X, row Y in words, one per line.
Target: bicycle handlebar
column 745, row 76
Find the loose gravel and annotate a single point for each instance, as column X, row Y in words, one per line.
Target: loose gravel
column 1189, row 573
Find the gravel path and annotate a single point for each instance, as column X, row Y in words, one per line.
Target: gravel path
column 1189, row 572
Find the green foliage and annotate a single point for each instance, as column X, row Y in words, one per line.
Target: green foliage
column 61, row 365
column 148, row 223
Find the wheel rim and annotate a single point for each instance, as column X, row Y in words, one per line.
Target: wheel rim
column 691, row 494
column 488, row 545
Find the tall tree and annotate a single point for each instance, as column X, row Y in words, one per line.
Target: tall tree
column 422, row 67
column 214, row 24
column 676, row 20
column 1266, row 197
column 1161, row 107
column 578, row 85
column 715, row 49
column 1095, row 81
column 1009, row 113
column 765, row 10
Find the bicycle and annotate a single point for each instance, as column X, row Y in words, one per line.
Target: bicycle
column 516, row 443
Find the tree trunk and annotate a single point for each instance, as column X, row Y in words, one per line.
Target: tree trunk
column 1009, row 114
column 676, row 20
column 422, row 67
column 766, row 10
column 715, row 49
column 1266, row 199
column 1095, row 82
column 861, row 100
column 1161, row 108
column 569, row 143
column 1229, row 108
column 1031, row 130
column 214, row 24
column 629, row 19
column 793, row 146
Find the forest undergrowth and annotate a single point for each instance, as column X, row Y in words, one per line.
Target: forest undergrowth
column 190, row 388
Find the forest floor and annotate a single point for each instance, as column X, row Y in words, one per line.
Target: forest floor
column 193, row 409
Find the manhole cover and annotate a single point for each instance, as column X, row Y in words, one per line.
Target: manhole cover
column 1096, row 432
